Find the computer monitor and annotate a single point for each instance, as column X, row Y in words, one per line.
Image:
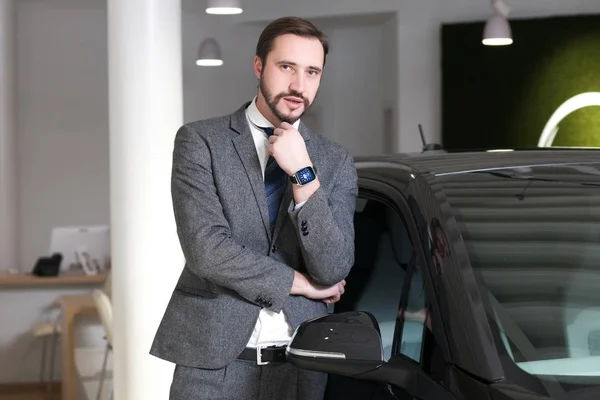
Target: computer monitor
column 85, row 246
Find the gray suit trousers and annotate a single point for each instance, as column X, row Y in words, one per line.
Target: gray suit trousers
column 244, row 380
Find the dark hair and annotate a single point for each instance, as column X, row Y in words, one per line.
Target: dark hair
column 288, row 25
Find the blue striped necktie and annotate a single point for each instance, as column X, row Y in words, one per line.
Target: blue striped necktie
column 275, row 180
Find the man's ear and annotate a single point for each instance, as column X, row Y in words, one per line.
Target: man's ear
column 258, row 66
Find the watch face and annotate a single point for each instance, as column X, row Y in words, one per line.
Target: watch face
column 305, row 175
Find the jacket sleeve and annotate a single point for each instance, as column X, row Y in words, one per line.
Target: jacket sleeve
column 325, row 227
column 204, row 232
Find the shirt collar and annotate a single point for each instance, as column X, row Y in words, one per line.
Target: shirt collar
column 259, row 120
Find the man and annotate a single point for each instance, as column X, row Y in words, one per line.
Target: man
column 264, row 209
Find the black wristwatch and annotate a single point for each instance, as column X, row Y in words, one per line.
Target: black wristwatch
column 304, row 176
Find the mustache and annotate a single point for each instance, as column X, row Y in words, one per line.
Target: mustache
column 292, row 94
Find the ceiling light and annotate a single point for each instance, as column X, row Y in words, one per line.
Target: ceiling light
column 209, row 54
column 497, row 30
column 224, row 7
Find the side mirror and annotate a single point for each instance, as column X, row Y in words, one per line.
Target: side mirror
column 347, row 344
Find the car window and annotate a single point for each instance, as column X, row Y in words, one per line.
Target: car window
column 415, row 316
column 532, row 235
column 382, row 256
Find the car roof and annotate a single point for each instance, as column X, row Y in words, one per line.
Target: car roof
column 440, row 162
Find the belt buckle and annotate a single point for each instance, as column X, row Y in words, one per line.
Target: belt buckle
column 259, row 360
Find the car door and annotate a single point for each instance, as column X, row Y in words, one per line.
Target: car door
column 415, row 342
column 374, row 284
column 419, row 336
column 385, row 281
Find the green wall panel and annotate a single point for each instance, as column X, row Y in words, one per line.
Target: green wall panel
column 503, row 96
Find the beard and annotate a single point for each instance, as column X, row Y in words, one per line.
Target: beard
column 272, row 102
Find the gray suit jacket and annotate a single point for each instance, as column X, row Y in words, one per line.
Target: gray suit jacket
column 234, row 265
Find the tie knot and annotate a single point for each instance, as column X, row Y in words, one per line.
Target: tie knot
column 269, row 131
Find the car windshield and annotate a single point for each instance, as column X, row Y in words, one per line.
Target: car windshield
column 532, row 235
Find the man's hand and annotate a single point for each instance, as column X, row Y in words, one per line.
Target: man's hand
column 304, row 287
column 287, row 146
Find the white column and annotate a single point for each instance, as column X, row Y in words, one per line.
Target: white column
column 8, row 138
column 146, row 107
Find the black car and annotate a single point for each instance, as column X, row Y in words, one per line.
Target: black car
column 477, row 276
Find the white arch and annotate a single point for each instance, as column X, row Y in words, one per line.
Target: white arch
column 573, row 104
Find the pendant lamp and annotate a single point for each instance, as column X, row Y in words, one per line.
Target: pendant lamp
column 209, row 54
column 224, row 7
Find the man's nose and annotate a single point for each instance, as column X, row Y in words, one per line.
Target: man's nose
column 297, row 84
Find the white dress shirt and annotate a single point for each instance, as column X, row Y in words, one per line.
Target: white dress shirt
column 271, row 328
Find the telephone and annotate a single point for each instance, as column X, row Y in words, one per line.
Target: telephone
column 48, row 266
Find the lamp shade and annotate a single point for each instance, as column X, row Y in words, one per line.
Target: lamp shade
column 209, row 53
column 223, row 6
column 497, row 31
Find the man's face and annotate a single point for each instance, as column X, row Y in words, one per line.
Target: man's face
column 290, row 77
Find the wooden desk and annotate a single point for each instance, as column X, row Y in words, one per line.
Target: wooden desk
column 72, row 307
column 67, row 279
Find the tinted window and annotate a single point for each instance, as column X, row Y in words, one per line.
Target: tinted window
column 383, row 253
column 415, row 317
column 533, row 238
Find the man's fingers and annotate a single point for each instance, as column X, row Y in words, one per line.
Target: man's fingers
column 285, row 126
column 332, row 291
column 332, row 299
column 329, row 294
column 336, row 293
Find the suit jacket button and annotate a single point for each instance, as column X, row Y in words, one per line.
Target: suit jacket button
column 304, row 233
column 304, row 223
column 269, row 304
column 273, row 249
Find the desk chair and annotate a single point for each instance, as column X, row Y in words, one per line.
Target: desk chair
column 104, row 306
column 48, row 330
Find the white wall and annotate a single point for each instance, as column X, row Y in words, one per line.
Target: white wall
column 62, row 120
column 389, row 44
column 351, row 99
column 214, row 91
column 8, row 136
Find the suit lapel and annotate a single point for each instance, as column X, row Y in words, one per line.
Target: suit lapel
column 244, row 145
column 282, row 216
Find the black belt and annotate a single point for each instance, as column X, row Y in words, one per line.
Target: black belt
column 264, row 355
